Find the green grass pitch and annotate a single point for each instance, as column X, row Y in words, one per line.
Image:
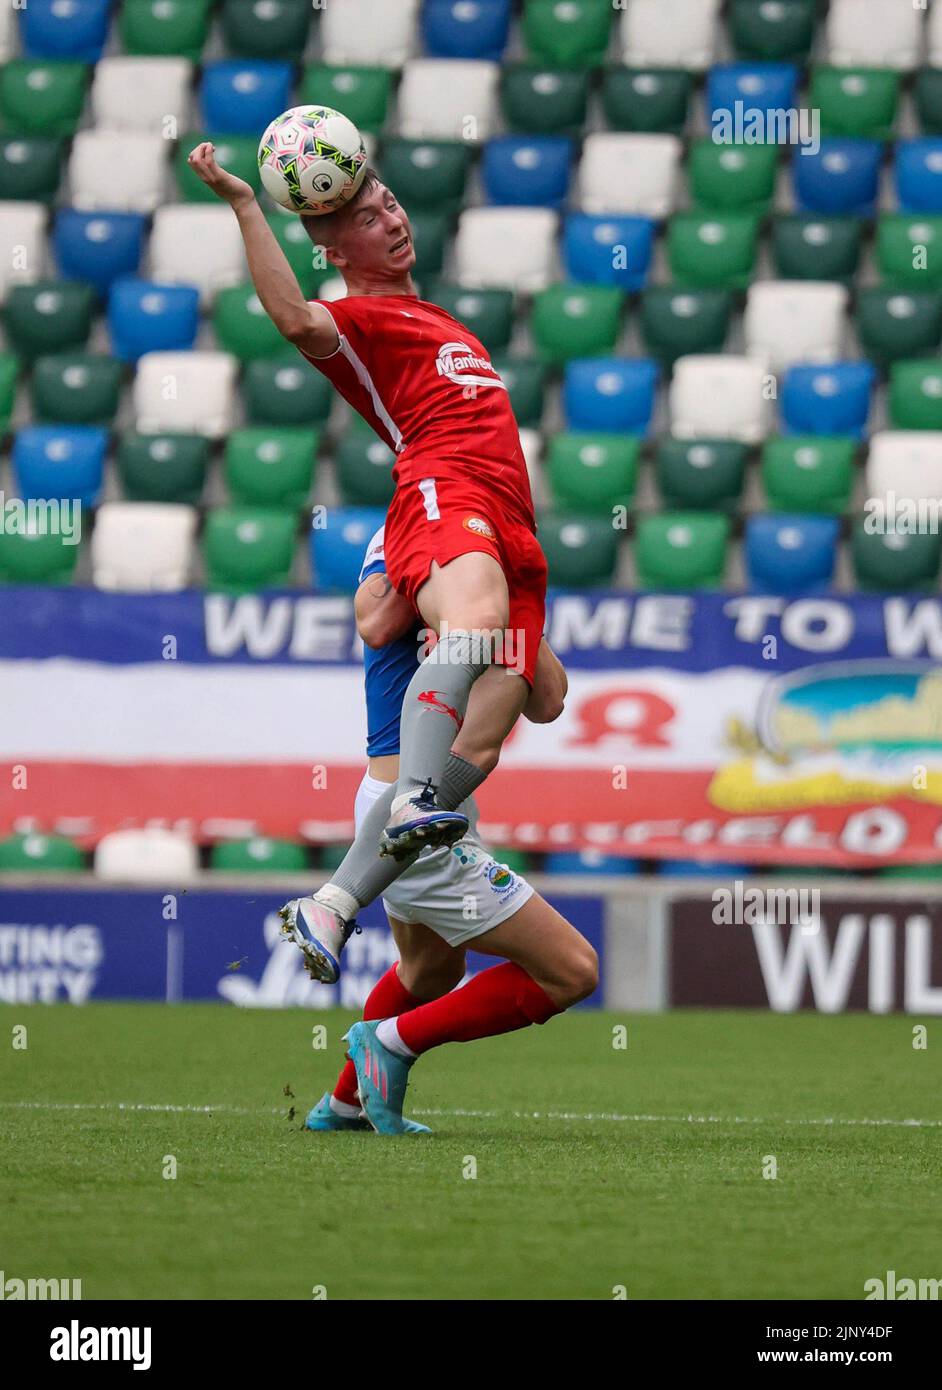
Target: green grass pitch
column 596, row 1167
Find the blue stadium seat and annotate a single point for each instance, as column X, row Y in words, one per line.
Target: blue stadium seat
column 466, row 28
column 527, row 170
column 788, row 554
column 758, row 86
column 337, row 548
column 98, row 246
column 701, row 868
column 610, row 393
column 77, row 30
column 590, row 861
column 147, row 317
column 60, row 461
column 608, row 250
column 830, row 399
column 842, row 176
column 918, row 172
column 240, row 98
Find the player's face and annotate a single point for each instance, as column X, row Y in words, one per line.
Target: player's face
column 378, row 237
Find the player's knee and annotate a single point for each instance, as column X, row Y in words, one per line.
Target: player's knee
column 581, row 973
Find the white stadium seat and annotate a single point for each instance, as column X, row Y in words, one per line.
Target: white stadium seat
column 512, row 248
column 907, row 463
column 934, row 37
column 140, row 547
column 22, row 244
column 121, row 171
column 441, row 99
column 9, row 27
column 372, row 33
column 197, row 244
column 669, row 33
column 719, row 397
column 142, row 94
column 629, row 173
column 875, row 33
column 789, row 321
column 531, row 442
column 185, row 393
column 146, row 856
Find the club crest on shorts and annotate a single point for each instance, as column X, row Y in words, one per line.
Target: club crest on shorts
column 499, row 876
column 479, row 527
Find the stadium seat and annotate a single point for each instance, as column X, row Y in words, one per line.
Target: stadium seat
column 76, row 388
column 790, row 554
column 75, row 30
column 240, row 97
column 682, row 35
column 143, row 547
column 248, row 548
column 157, row 27
column 147, row 317
column 369, row 32
column 700, row 474
column 258, row 855
column 907, row 463
column 581, row 551
column 732, row 176
column 426, row 173
column 143, row 94
column 892, row 324
column 273, row 29
column 363, row 467
column 52, row 461
column 754, row 89
column 573, row 34
column 30, row 168
column 915, row 395
column 489, row 313
column 590, row 862
column 9, row 370
column 927, row 97
column 782, row 31
column 22, row 245
column 362, row 94
column 337, row 549
column 55, row 315
column 808, row 473
column 527, row 171
column 831, row 398
column 444, row 99
column 162, row 467
column 543, row 101
column 592, row 472
column 808, row 247
column 98, row 154
column 719, row 397
column 242, row 326
column 36, row 555
column 608, row 250
column 35, row 853
column 575, row 321
column 628, row 172
column 236, row 153
column 184, row 393
column 285, row 391
column 200, row 246
column 153, row 856
column 676, row 322
column 840, row 177
column 909, row 250
column 646, row 100
column 610, row 394
column 38, row 98
column 875, row 33
column 712, row 250
column 525, row 379
column 918, row 173
column 270, row 467
column 681, row 550
column 855, row 101
column 704, row 868
column 98, row 247
column 430, row 230
column 789, row 321
column 511, row 248
column 308, row 262
column 895, row 561
column 465, row 28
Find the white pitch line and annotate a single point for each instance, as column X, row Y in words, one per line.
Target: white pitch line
column 586, row 1118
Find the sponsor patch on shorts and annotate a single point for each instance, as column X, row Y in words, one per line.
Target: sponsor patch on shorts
column 501, row 879
column 479, row 527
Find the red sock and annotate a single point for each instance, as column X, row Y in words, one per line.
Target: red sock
column 387, row 999
column 499, row 1000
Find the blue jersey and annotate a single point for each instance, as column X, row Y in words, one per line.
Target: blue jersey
column 387, row 670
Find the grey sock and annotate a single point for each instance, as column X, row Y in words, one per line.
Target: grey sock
column 434, row 706
column 459, row 781
column 363, row 872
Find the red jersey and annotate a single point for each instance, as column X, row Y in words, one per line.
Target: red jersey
column 427, row 387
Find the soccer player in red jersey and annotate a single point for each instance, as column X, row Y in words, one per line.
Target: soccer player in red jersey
column 460, row 532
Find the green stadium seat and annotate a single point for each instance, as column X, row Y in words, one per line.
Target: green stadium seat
column 362, row 94
column 737, row 177
column 593, row 472
column 807, row 246
column 76, row 388
column 927, row 95
column 363, row 465
column 808, row 473
column 895, row 561
column 176, row 28
column 488, row 313
column 909, row 250
column 518, row 860
column 162, row 467
column 773, row 33
column 42, row 98
column 915, row 396
column 34, row 853
column 248, row 548
column 236, row 153
column 258, row 855
column 429, row 233
column 426, row 173
column 30, row 168
column 855, row 101
column 331, row 857
column 675, row 322
column 54, row 315
column 681, row 550
column 917, row 871
column 277, row 29
column 525, row 379
column 570, row 35
column 700, row 474
column 285, row 391
column 308, row 261
column 580, row 551
column 712, row 249
column 9, row 371
column 892, row 324
column 242, row 326
column 40, row 557
column 575, row 321
column 271, row 467
column 646, row 99
column 544, row 101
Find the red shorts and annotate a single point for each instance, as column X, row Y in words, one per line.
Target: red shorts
column 441, row 518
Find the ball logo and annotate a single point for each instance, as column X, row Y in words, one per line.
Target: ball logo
column 478, row 526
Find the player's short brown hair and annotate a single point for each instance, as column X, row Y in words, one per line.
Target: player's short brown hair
column 322, row 230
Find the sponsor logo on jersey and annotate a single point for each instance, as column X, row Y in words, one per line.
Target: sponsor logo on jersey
column 479, row 526
column 460, row 364
column 430, row 698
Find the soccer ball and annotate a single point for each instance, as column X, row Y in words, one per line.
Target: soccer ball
column 311, row 159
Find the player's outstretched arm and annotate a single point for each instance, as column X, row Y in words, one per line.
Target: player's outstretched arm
column 382, row 614
column 550, row 686
column 306, row 325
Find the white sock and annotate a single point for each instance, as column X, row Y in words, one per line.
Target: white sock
column 345, row 1111
column 338, row 900
column 388, row 1034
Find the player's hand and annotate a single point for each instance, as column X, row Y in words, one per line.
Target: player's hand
column 236, row 192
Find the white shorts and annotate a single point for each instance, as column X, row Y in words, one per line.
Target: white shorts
column 460, row 892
